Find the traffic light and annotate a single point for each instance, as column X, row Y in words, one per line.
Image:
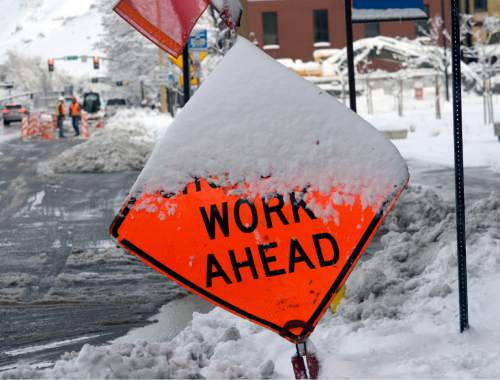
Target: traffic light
column 96, row 63
column 51, row 65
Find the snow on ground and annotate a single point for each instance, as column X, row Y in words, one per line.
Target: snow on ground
column 430, row 139
column 124, row 144
column 399, row 318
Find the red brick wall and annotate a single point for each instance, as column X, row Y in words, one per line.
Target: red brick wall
column 295, row 24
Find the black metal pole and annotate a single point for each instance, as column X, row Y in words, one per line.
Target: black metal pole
column 350, row 54
column 186, row 72
column 445, row 46
column 459, row 166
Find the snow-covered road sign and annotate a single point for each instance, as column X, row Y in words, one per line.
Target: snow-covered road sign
column 262, row 195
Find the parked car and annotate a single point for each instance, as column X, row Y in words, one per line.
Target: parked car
column 112, row 105
column 13, row 113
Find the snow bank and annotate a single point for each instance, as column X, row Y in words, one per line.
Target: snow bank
column 399, row 318
column 124, row 144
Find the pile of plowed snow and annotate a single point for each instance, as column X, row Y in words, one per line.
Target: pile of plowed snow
column 125, row 143
column 399, row 318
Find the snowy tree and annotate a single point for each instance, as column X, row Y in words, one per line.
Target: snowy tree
column 30, row 74
column 132, row 57
column 484, row 57
column 433, row 55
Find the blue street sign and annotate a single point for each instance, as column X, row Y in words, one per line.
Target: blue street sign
column 388, row 4
column 198, row 40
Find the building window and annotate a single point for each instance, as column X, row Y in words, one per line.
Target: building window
column 480, row 5
column 320, row 20
column 423, row 25
column 270, row 28
column 372, row 29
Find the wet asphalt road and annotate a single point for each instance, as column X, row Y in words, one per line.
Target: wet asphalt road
column 61, row 277
column 63, row 283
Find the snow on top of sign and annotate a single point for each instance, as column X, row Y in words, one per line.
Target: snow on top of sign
column 387, row 14
column 255, row 121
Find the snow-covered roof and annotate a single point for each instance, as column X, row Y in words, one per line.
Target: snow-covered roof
column 391, row 14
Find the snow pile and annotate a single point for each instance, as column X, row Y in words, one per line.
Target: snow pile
column 398, row 319
column 124, row 144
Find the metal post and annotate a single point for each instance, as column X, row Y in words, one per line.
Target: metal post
column 186, row 71
column 143, row 95
column 459, row 168
column 350, row 54
column 163, row 89
column 445, row 46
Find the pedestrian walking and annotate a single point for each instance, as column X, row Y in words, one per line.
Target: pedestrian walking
column 76, row 115
column 61, row 114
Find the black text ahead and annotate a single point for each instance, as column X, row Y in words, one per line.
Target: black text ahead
column 260, row 261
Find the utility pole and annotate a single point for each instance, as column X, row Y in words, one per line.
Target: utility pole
column 163, row 89
column 186, row 72
column 350, row 54
column 143, row 95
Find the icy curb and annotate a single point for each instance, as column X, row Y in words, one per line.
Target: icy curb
column 124, row 144
column 399, row 317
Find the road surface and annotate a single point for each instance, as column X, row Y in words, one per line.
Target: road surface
column 63, row 283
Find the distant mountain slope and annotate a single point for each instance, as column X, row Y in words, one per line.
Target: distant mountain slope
column 51, row 28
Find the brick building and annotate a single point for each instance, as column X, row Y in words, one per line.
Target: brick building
column 295, row 28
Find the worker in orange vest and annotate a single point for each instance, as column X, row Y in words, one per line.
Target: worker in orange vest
column 76, row 115
column 61, row 114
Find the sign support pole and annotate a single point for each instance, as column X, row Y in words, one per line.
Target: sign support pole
column 459, row 168
column 350, row 54
column 445, row 47
column 163, row 89
column 186, row 72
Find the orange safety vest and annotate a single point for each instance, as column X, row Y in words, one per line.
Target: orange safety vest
column 61, row 112
column 74, row 109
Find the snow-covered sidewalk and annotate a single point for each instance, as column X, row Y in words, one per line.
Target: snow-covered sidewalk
column 430, row 139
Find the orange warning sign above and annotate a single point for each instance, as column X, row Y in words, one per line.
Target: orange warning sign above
column 267, row 258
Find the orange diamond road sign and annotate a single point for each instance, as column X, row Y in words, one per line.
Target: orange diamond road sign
column 275, row 257
column 267, row 260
